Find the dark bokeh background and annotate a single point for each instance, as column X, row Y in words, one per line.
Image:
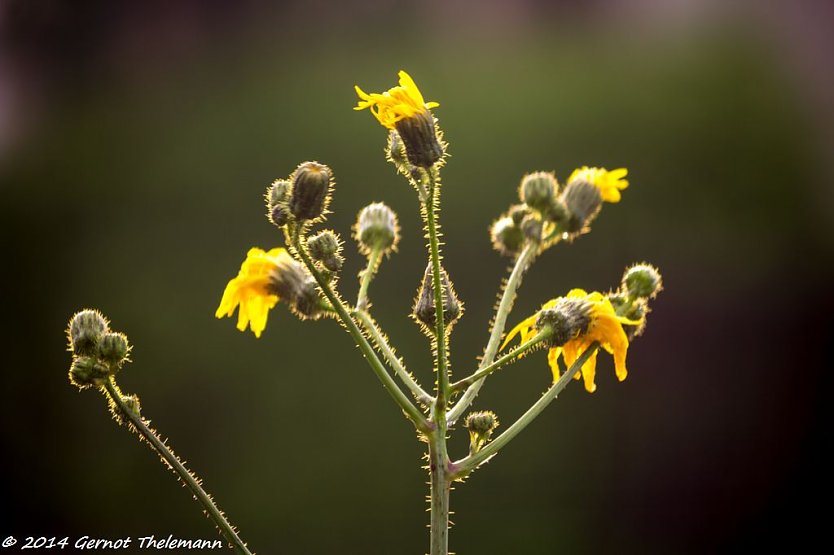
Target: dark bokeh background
column 136, row 141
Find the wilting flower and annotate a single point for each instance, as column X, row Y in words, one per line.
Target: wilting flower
column 404, row 110
column 609, row 183
column 252, row 290
column 583, row 318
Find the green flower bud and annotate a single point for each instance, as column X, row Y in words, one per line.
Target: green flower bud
column 531, row 227
column 507, row 237
column 395, row 153
column 558, row 212
column 583, row 201
column 538, row 190
column 277, row 196
column 113, row 349
column 88, row 372
column 419, row 135
column 85, row 331
column 323, row 245
column 424, row 310
column 377, row 228
column 568, row 319
column 311, row 185
column 480, row 424
column 642, row 281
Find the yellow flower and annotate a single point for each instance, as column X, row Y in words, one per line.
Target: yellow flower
column 609, row 183
column 395, row 104
column 603, row 325
column 251, row 289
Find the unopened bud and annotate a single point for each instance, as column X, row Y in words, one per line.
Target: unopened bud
column 377, row 228
column 538, row 189
column 583, row 201
column 480, row 424
column 323, row 245
column 311, row 184
column 518, row 212
column 642, row 281
column 424, row 309
column 113, row 349
column 277, row 196
column 531, row 227
column 507, row 237
column 87, row 372
column 85, row 331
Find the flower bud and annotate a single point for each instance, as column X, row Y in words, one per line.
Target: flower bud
column 568, row 319
column 538, row 190
column 424, row 310
column 85, row 331
column 480, row 424
column 583, row 201
column 395, row 153
column 507, row 237
column 518, row 212
column 311, row 185
column 324, row 245
column 642, row 281
column 377, row 228
column 531, row 227
column 87, row 372
column 113, row 349
column 277, row 196
column 558, row 212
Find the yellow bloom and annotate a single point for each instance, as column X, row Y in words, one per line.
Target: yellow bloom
column 251, row 289
column 603, row 325
column 609, row 183
column 395, row 104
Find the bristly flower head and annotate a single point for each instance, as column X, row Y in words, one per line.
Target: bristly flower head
column 595, row 320
column 264, row 279
column 403, row 109
column 609, row 183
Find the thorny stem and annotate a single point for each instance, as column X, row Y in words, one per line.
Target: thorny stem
column 367, row 276
column 437, row 285
column 466, row 465
column 525, row 258
column 184, row 474
column 410, row 410
column 511, row 356
column 390, row 356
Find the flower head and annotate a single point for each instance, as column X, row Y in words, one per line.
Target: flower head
column 403, row 110
column 252, row 289
column 609, row 183
column 395, row 104
column 598, row 322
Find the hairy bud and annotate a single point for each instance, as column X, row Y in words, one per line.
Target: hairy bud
column 85, row 331
column 538, row 190
column 419, row 135
column 113, row 349
column 507, row 237
column 377, row 228
column 480, row 424
column 642, row 281
column 583, row 201
column 311, row 185
column 424, row 309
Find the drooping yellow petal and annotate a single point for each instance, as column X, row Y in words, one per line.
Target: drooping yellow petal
column 609, row 183
column 395, row 104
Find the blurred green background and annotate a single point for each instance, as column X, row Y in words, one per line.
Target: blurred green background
column 137, row 141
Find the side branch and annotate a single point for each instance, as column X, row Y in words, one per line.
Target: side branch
column 138, row 424
column 466, row 465
column 410, row 410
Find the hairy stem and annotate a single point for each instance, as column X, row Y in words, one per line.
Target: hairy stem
column 391, row 357
column 511, row 356
column 184, row 474
column 440, row 489
column 470, row 463
column 525, row 258
column 410, row 410
column 437, row 285
column 366, row 277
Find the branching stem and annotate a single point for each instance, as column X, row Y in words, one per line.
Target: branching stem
column 509, row 357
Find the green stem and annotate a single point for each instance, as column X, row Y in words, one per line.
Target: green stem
column 440, row 488
column 185, row 475
column 511, row 356
column 468, row 464
column 437, row 285
column 411, row 411
column 367, row 276
column 390, row 356
column 525, row 258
